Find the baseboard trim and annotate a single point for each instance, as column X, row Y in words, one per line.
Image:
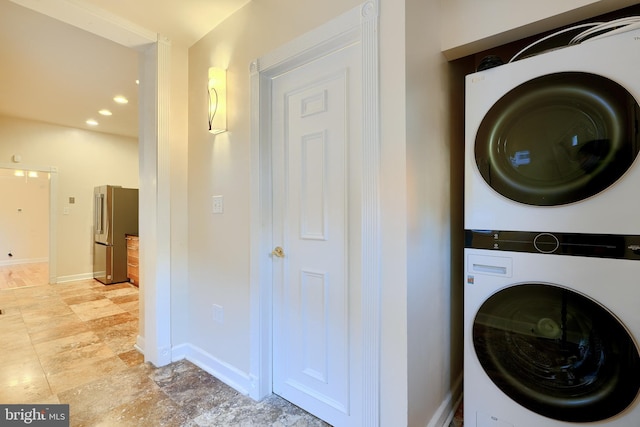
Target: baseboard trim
column 74, row 277
column 447, row 409
column 228, row 374
column 139, row 345
column 23, row 261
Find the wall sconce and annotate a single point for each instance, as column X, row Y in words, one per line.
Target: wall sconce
column 217, row 90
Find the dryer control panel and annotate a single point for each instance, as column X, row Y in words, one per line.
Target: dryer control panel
column 577, row 244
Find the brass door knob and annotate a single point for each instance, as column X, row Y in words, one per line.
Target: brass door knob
column 278, row 251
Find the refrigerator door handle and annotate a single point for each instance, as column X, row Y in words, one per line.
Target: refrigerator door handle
column 99, row 211
column 107, row 217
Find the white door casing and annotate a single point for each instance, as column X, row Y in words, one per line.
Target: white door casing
column 311, row 138
column 356, row 29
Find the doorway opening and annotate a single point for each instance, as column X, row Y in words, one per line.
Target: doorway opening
column 27, row 228
column 154, row 339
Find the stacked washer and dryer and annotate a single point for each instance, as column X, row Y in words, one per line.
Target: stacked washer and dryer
column 552, row 250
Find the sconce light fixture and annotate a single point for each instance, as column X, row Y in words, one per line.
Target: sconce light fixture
column 217, row 90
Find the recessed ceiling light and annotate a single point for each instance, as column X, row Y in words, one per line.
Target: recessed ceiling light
column 92, row 122
column 121, row 99
column 137, row 81
column 105, row 112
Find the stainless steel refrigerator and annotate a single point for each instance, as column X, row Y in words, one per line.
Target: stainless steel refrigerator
column 115, row 216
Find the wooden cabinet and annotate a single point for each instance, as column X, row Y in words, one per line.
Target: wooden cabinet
column 133, row 263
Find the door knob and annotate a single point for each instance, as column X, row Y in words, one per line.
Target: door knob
column 278, row 251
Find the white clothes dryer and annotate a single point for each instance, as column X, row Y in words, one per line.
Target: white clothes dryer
column 551, row 141
column 551, row 340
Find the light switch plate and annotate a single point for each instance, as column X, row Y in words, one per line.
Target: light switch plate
column 218, row 204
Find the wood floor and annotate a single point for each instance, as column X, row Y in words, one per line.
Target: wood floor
column 24, row 275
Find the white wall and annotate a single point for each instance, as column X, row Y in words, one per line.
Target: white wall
column 473, row 26
column 84, row 159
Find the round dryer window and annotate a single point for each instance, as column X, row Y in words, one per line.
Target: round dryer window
column 558, row 139
column 557, row 353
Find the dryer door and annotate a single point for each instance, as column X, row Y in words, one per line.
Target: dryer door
column 557, row 353
column 558, row 139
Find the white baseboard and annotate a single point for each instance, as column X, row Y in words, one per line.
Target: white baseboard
column 180, row 352
column 139, row 345
column 23, row 261
column 447, row 409
column 74, row 277
column 223, row 371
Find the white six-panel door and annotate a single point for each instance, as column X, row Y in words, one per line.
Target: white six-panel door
column 313, row 347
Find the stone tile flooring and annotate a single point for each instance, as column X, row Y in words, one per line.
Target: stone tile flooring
column 73, row 343
column 22, row 275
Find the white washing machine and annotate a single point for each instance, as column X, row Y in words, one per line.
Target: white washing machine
column 552, row 340
column 552, row 140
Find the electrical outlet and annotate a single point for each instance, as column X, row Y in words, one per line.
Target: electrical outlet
column 218, row 313
column 218, row 204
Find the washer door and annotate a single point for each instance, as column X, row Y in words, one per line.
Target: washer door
column 558, row 139
column 557, row 353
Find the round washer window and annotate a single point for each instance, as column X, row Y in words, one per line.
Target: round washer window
column 557, row 353
column 558, row 139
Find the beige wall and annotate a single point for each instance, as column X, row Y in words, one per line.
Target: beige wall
column 393, row 215
column 24, row 217
column 178, row 148
column 434, row 143
column 473, row 26
column 84, row 159
column 220, row 165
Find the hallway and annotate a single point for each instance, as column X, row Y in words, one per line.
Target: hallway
column 73, row 343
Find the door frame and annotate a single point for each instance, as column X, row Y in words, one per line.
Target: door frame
column 357, row 26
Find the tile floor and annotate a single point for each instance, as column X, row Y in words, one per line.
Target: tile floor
column 73, row 343
column 22, row 275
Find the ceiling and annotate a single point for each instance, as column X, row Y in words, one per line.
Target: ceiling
column 56, row 73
